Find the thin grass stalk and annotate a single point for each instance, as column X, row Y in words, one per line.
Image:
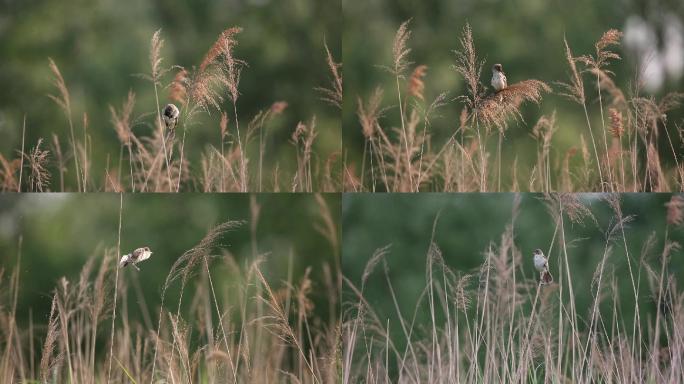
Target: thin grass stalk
column 571, row 293
column 85, row 153
column 130, row 165
column 363, row 163
column 261, row 152
column 605, row 137
column 498, row 160
column 634, row 149
column 116, row 289
column 157, row 340
column 674, row 155
column 243, row 175
column 656, row 334
column 155, row 60
column 223, row 165
column 593, row 143
column 182, row 148
column 12, row 316
column 483, row 183
column 405, row 134
column 73, row 145
column 21, row 166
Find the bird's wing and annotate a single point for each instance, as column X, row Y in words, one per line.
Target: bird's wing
column 145, row 255
column 138, row 254
column 124, row 260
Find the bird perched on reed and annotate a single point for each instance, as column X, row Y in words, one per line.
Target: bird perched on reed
column 499, row 81
column 140, row 254
column 542, row 265
column 170, row 116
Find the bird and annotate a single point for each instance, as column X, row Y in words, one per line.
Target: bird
column 170, row 116
column 498, row 78
column 135, row 257
column 542, row 265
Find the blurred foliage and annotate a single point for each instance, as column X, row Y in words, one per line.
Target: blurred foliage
column 469, row 223
column 101, row 47
column 61, row 232
column 526, row 37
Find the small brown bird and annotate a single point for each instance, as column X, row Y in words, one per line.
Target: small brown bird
column 542, row 265
column 170, row 116
column 498, row 78
column 134, row 258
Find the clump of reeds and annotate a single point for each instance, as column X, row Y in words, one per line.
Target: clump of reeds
column 498, row 323
column 624, row 155
column 158, row 161
column 244, row 329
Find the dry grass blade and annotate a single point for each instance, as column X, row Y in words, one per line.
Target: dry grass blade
column 8, row 178
column 64, row 101
column 186, row 263
column 178, row 90
column 370, row 112
column 603, row 55
column 39, row 177
column 399, row 50
column 468, row 65
column 333, row 94
column 47, row 357
column 675, row 210
column 156, row 45
column 221, row 54
column 122, row 120
column 416, row 86
column 574, row 90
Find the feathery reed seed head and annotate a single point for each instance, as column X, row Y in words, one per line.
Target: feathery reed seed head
column 416, row 86
column 675, row 210
column 616, row 127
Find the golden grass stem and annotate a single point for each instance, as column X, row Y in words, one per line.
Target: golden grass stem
column 405, row 134
column 21, row 165
column 116, row 289
column 243, row 174
column 593, row 143
column 611, row 181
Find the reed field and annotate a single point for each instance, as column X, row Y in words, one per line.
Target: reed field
column 613, row 312
column 222, row 141
column 627, row 142
column 219, row 315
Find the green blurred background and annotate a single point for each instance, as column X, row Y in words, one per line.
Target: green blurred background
column 526, row 37
column 62, row 231
column 469, row 223
column 100, row 46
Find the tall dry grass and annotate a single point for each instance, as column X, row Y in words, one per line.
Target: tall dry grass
column 157, row 160
column 248, row 329
column 499, row 324
column 399, row 154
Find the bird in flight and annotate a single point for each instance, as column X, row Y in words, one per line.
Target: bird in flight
column 542, row 265
column 498, row 78
column 135, row 257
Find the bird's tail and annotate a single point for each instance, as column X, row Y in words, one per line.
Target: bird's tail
column 546, row 277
